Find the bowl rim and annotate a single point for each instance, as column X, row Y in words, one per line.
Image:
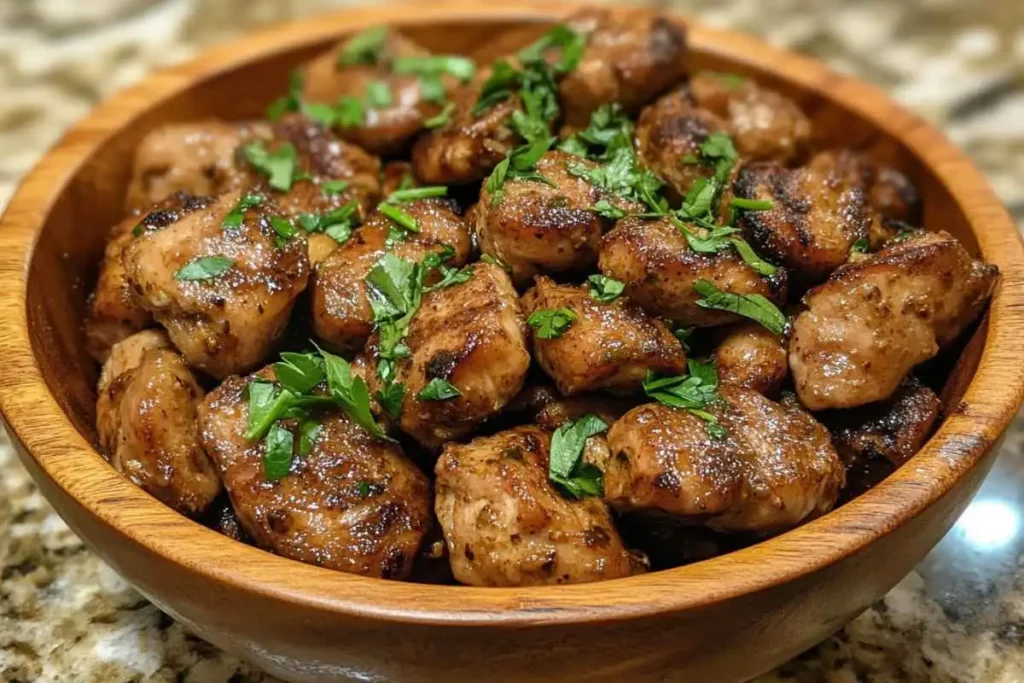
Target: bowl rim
column 37, row 422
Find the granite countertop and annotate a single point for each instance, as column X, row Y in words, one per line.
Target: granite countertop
column 65, row 616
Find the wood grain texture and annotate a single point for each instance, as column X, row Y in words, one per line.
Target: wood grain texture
column 725, row 619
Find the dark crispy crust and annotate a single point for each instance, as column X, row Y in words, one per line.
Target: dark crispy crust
column 820, row 211
column 893, row 429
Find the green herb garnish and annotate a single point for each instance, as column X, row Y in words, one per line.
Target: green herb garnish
column 204, row 268
column 333, row 187
column 605, row 289
column 237, row 214
column 753, row 306
column 565, row 465
column 860, row 246
column 378, row 95
column 280, row 166
column 350, row 112
column 441, row 118
column 438, row 389
column 695, row 392
column 551, row 323
column 364, row 48
column 461, row 68
column 336, row 223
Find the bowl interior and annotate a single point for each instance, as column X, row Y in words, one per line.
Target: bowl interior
column 63, row 267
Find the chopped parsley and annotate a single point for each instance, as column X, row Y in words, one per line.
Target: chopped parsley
column 695, row 392
column 365, row 47
column 609, row 128
column 860, row 246
column 237, row 214
column 333, row 187
column 378, row 95
column 551, row 323
column 204, row 268
column 280, row 166
column 753, row 204
column 283, row 230
column 336, row 223
column 753, row 306
column 439, row 389
column 441, row 118
column 565, row 464
column 683, row 334
column 296, row 390
column 431, row 66
column 363, row 489
column 605, row 289
column 350, row 112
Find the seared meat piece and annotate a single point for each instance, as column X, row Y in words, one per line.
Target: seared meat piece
column 820, row 211
column 230, row 321
column 145, row 418
column 197, row 158
column 320, row 156
column 534, row 227
column 673, row 129
column 608, row 346
column 764, row 124
column 385, row 130
column 628, row 59
column 874, row 320
column 654, row 260
column 341, row 313
column 893, row 429
column 114, row 313
column 775, row 469
column 561, row 411
column 506, row 525
column 354, row 503
column 397, row 174
column 472, row 335
column 468, row 146
column 750, row 356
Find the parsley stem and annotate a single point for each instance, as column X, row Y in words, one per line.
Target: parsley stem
column 753, row 204
column 413, row 193
column 398, row 216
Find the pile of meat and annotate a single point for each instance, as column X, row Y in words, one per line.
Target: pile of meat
column 591, row 313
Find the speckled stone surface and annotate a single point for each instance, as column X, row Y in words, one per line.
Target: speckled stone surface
column 959, row 617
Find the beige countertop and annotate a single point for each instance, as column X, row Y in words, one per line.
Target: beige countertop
column 65, row 616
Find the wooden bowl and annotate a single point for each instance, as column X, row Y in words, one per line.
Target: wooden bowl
column 724, row 619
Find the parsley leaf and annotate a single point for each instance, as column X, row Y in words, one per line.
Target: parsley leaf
column 860, row 246
column 751, row 258
column 400, row 217
column 279, row 166
column 410, row 194
column 683, row 334
column 290, row 101
column 205, row 268
column 461, row 68
column 350, row 112
column 299, row 373
column 237, row 214
column 608, row 130
column 605, row 289
column 753, row 204
column 562, row 36
column 364, row 47
column 378, row 94
column 695, row 392
column 441, row 118
column 350, row 394
column 565, row 467
column 551, row 323
column 753, row 306
column 280, row 449
column 438, row 389
column 336, row 223
column 333, row 187
column 284, row 230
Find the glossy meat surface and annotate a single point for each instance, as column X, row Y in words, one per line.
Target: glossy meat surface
column 505, row 524
column 469, row 145
column 753, row 357
column 341, row 313
column 354, row 503
column 872, row 321
column 386, row 129
column 820, row 211
column 197, row 157
column 228, row 323
column 628, row 59
column 654, row 260
column 472, row 335
column 764, row 124
column 775, row 469
column 534, row 227
column 145, row 419
column 608, row 346
column 893, row 429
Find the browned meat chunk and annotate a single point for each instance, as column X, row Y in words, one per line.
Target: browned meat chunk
column 607, row 346
column 775, row 469
column 750, row 356
column 224, row 293
column 471, row 335
column 145, row 418
column 353, row 503
column 873, row 321
column 506, row 525
column 654, row 260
